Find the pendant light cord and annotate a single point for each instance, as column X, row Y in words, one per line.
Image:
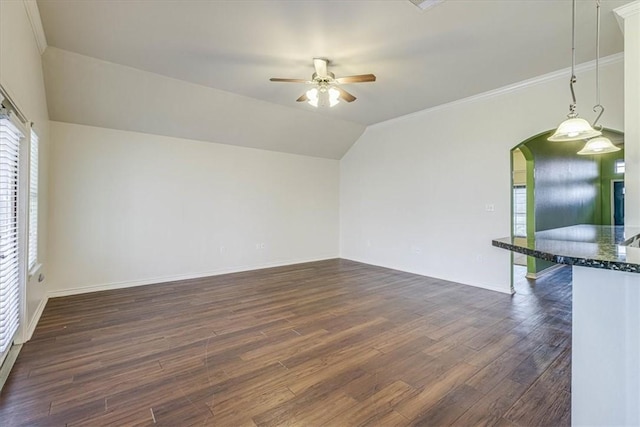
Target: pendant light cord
column 572, row 107
column 598, row 108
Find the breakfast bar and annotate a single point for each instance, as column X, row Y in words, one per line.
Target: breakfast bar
column 605, row 383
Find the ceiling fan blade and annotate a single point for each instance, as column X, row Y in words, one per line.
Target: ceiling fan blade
column 276, row 79
column 303, row 98
column 361, row 78
column 321, row 66
column 346, row 95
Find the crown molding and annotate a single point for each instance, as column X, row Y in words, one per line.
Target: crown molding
column 36, row 24
column 555, row 75
column 626, row 11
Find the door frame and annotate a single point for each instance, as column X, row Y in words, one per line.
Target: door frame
column 612, row 199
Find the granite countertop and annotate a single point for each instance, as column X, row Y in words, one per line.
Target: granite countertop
column 598, row 246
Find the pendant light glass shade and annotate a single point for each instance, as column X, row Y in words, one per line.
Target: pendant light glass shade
column 599, row 145
column 572, row 129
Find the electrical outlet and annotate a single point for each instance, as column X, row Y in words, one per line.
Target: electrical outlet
column 489, row 207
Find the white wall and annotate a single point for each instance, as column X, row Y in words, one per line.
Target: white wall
column 130, row 208
column 605, row 348
column 414, row 191
column 21, row 76
column 630, row 14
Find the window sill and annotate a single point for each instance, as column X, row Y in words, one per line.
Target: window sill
column 35, row 270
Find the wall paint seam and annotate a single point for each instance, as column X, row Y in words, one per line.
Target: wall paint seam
column 524, row 84
column 165, row 279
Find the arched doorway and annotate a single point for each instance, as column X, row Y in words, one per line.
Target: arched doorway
column 552, row 187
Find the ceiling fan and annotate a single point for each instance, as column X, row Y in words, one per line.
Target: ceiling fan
column 326, row 89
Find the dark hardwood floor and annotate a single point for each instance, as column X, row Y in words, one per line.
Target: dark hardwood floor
column 328, row 343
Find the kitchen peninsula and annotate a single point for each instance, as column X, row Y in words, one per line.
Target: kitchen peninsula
column 605, row 380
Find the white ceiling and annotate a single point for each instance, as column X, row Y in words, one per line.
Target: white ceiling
column 421, row 58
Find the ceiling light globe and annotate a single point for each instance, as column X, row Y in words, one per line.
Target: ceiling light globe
column 334, row 96
column 573, row 129
column 599, row 145
column 312, row 96
column 312, row 93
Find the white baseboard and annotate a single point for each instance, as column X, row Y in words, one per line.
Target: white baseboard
column 8, row 363
column 163, row 279
column 35, row 319
column 481, row 286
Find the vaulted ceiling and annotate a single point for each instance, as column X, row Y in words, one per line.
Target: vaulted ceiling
column 201, row 69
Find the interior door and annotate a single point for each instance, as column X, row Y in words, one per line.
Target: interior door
column 618, row 202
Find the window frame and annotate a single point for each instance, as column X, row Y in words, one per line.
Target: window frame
column 20, row 207
column 33, row 264
column 516, row 213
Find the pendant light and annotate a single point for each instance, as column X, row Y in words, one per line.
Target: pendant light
column 600, row 144
column 573, row 128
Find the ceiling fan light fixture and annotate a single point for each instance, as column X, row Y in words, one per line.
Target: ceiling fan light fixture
column 325, row 90
column 334, row 96
column 312, row 96
column 573, row 129
column 598, row 145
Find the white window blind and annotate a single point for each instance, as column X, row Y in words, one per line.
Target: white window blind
column 520, row 211
column 33, row 201
column 9, row 252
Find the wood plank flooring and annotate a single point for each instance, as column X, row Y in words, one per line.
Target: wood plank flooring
column 334, row 343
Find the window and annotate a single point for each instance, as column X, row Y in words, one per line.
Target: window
column 10, row 279
column 33, row 201
column 520, row 211
column 619, row 166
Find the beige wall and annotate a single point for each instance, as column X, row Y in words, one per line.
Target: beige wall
column 130, row 208
column 630, row 14
column 21, row 76
column 427, row 192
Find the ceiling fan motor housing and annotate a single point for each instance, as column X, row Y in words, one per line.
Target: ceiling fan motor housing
column 329, row 78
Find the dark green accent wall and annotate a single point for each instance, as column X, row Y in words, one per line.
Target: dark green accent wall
column 567, row 185
column 564, row 188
